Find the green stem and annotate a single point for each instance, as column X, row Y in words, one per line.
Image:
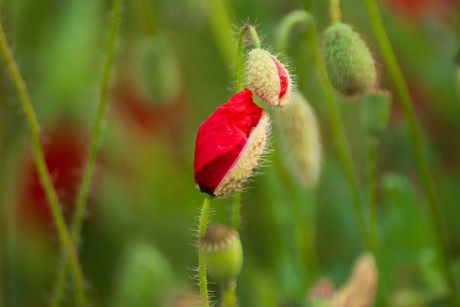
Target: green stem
column 336, row 14
column 333, row 112
column 229, row 294
column 201, row 259
column 239, row 58
column 372, row 231
column 254, row 36
column 92, row 154
column 45, row 180
column 421, row 161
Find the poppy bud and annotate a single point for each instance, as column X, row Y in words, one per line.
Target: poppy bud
column 145, row 278
column 229, row 145
column 361, row 286
column 223, row 252
column 349, row 63
column 157, row 70
column 300, row 139
column 269, row 79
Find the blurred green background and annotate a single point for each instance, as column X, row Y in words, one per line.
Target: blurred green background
column 174, row 65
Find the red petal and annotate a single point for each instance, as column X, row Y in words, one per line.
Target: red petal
column 221, row 137
column 283, row 78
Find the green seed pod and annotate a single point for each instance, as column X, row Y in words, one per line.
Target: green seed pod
column 349, row 63
column 299, row 138
column 145, row 278
column 223, row 253
column 157, row 70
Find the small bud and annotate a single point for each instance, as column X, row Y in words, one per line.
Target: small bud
column 223, row 252
column 360, row 289
column 376, row 111
column 321, row 293
column 349, row 63
column 269, row 79
column 146, row 277
column 229, row 145
column 157, row 70
column 300, row 139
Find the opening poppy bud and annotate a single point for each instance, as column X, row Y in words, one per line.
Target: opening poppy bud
column 268, row 78
column 223, row 253
column 360, row 287
column 229, row 145
column 349, row 63
column 300, row 139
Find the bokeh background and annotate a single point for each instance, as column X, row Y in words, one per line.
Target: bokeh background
column 174, row 65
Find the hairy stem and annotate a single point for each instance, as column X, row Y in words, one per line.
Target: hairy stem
column 44, row 176
column 201, row 260
column 415, row 137
column 92, row 154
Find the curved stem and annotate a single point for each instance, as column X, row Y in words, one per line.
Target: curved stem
column 44, row 176
column 239, row 58
column 201, row 259
column 421, row 161
column 92, row 154
column 333, row 112
column 254, row 36
column 229, row 294
column 336, row 13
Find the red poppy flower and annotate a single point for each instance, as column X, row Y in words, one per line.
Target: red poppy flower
column 65, row 154
column 229, row 145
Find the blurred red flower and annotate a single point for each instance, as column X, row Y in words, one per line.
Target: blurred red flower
column 416, row 9
column 221, row 138
column 65, row 150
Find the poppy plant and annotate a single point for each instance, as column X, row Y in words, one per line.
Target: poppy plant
column 229, row 145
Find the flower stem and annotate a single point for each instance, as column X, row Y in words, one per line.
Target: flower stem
column 145, row 16
column 229, row 294
column 254, row 36
column 239, row 52
column 239, row 58
column 371, row 162
column 336, row 14
column 333, row 112
column 88, row 170
column 201, row 260
column 44, row 176
column 421, row 161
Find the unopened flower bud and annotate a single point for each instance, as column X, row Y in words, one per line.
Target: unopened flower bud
column 300, row 139
column 157, row 70
column 223, row 253
column 349, row 63
column 360, row 289
column 145, row 279
column 268, row 78
column 229, row 145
